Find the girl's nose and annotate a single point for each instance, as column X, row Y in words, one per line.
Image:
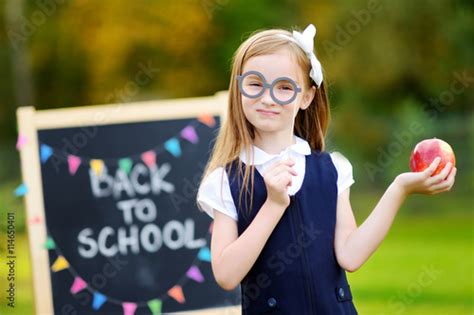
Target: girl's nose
column 266, row 97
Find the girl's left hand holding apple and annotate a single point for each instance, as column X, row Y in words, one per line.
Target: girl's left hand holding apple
column 423, row 183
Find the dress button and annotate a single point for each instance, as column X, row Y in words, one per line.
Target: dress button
column 341, row 293
column 272, row 302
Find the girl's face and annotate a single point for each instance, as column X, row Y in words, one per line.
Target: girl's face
column 263, row 112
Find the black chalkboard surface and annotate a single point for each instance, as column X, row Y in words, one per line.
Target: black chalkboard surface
column 124, row 234
column 132, row 233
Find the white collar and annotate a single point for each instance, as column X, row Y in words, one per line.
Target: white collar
column 261, row 157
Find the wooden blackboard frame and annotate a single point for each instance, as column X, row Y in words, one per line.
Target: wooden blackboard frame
column 30, row 121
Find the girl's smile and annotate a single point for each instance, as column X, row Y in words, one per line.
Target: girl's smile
column 267, row 112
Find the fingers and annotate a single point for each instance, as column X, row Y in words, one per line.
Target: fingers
column 433, row 166
column 281, row 167
column 280, row 182
column 279, row 175
column 445, row 185
column 285, row 179
column 441, row 176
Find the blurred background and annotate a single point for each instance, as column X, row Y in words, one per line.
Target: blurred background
column 389, row 66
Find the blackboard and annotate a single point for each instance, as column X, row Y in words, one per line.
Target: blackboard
column 122, row 231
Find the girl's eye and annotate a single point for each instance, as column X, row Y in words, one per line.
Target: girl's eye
column 255, row 84
column 286, row 88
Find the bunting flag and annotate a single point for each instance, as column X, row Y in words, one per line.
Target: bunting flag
column 78, row 285
column 60, row 264
column 176, row 293
column 149, row 158
column 74, row 162
column 98, row 300
column 20, row 142
column 129, row 308
column 49, row 244
column 189, row 133
column 195, row 274
column 207, row 119
column 172, row 145
column 97, row 166
column 205, row 254
column 35, row 220
column 21, row 190
column 45, row 153
column 125, row 165
column 155, row 306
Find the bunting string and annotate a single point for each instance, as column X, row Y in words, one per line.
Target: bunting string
column 172, row 146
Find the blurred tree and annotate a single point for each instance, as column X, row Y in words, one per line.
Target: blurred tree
column 384, row 62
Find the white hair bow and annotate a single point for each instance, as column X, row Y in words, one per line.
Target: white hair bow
column 306, row 41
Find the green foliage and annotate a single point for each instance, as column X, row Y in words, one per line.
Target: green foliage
column 387, row 64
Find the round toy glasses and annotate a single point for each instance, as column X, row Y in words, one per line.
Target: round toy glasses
column 283, row 90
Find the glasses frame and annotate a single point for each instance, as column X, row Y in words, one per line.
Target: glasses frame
column 240, row 80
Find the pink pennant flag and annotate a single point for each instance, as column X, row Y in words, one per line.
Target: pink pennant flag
column 74, row 162
column 78, row 285
column 195, row 274
column 149, row 158
column 189, row 133
column 129, row 308
column 20, row 141
column 35, row 220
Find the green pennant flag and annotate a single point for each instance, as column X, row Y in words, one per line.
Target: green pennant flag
column 49, row 243
column 125, row 165
column 155, row 306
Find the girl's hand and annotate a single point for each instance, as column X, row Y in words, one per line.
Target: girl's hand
column 277, row 179
column 424, row 183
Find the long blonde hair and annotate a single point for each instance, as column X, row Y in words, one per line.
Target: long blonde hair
column 237, row 133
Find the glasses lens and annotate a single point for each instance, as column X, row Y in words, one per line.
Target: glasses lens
column 252, row 85
column 284, row 91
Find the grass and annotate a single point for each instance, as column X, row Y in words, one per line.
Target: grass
column 424, row 266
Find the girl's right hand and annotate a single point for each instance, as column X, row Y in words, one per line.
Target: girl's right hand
column 277, row 179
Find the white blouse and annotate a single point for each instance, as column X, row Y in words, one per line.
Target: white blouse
column 209, row 194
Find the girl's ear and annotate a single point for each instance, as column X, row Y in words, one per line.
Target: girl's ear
column 308, row 97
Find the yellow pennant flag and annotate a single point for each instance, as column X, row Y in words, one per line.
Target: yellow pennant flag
column 97, row 166
column 60, row 264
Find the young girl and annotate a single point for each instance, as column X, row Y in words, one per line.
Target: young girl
column 283, row 223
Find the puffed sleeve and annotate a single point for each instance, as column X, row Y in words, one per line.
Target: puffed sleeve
column 344, row 171
column 209, row 194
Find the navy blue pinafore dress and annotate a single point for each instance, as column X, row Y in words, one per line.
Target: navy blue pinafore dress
column 297, row 271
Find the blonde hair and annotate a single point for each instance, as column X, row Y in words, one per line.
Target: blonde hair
column 237, row 133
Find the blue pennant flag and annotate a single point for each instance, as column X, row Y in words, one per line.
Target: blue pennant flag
column 205, row 254
column 21, row 190
column 99, row 299
column 172, row 145
column 45, row 152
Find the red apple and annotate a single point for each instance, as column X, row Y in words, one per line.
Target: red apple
column 427, row 150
